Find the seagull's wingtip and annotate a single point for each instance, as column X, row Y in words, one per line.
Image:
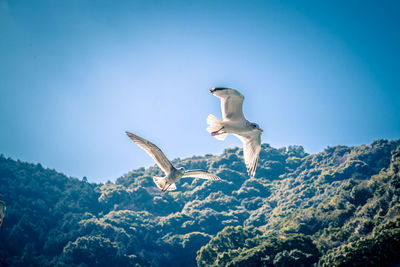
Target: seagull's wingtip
column 212, row 90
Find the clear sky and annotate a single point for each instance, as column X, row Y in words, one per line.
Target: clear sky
column 74, row 75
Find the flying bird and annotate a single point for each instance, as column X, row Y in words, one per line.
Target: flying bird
column 233, row 121
column 2, row 211
column 172, row 174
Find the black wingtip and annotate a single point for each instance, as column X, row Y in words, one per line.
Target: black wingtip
column 212, row 90
column 129, row 134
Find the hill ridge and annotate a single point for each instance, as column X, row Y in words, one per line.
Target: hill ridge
column 323, row 204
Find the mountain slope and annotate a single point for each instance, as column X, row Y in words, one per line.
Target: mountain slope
column 329, row 207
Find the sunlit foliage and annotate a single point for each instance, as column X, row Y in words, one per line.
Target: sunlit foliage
column 333, row 208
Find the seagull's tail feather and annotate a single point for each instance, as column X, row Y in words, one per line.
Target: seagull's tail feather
column 162, row 184
column 215, row 125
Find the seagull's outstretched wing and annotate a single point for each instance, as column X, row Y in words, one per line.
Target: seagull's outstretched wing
column 153, row 151
column 231, row 103
column 200, row 174
column 251, row 150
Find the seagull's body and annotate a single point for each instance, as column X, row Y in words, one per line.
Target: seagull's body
column 234, row 122
column 2, row 211
column 172, row 174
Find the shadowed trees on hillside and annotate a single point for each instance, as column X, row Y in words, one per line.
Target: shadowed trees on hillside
column 327, row 208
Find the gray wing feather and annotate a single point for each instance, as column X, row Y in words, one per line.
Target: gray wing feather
column 200, row 174
column 231, row 103
column 151, row 149
column 251, row 150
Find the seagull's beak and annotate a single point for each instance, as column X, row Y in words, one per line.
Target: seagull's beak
column 261, row 130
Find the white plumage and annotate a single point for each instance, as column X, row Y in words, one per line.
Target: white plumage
column 233, row 121
column 172, row 175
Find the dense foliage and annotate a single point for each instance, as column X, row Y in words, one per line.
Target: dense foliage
column 334, row 208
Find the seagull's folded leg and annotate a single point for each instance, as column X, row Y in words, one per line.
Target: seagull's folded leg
column 218, row 132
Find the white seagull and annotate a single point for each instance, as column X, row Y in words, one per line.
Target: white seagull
column 172, row 174
column 234, row 122
column 2, row 211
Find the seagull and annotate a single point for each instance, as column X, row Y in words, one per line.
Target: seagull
column 173, row 174
column 233, row 121
column 2, row 211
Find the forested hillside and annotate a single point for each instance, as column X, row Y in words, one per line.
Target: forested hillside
column 333, row 208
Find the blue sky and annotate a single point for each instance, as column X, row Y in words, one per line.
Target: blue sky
column 74, row 75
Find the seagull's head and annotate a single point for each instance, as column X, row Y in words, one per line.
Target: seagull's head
column 181, row 169
column 256, row 127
